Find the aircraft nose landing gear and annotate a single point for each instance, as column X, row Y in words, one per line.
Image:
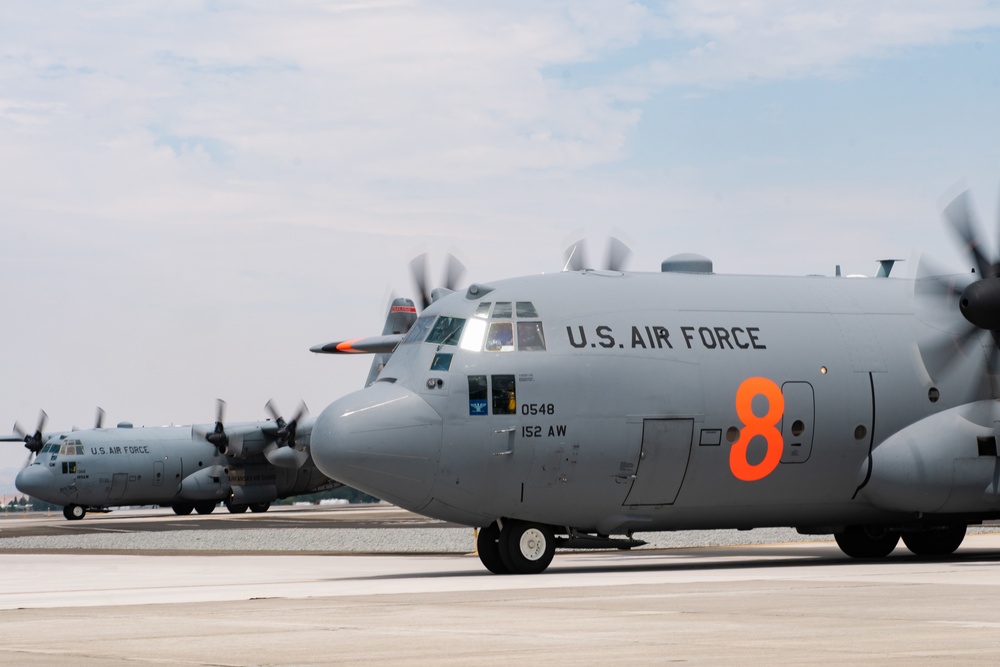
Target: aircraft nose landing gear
column 519, row 547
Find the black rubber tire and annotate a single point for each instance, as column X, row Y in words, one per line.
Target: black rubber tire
column 942, row 541
column 526, row 548
column 74, row 512
column 205, row 506
column 237, row 508
column 867, row 541
column 488, row 548
column 257, row 508
column 182, row 509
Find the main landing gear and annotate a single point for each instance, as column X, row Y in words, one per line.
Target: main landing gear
column 879, row 541
column 516, row 547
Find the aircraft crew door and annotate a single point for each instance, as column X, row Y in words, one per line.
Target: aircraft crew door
column 119, row 481
column 663, row 461
column 797, row 421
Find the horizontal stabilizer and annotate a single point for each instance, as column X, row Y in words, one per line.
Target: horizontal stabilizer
column 370, row 345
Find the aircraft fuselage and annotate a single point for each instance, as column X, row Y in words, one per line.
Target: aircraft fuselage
column 674, row 401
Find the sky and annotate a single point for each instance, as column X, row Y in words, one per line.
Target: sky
column 194, row 193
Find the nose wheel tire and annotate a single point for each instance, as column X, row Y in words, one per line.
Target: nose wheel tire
column 488, row 548
column 936, row 541
column 526, row 548
column 74, row 512
column 867, row 541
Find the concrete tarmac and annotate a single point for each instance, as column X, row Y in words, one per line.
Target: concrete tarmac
column 786, row 604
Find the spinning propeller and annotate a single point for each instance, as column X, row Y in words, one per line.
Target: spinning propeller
column 453, row 273
column 285, row 436
column 33, row 442
column 218, row 436
column 617, row 256
column 978, row 300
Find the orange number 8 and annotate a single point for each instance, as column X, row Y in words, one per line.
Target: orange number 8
column 757, row 426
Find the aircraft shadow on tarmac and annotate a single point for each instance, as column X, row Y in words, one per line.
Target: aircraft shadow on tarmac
column 683, row 560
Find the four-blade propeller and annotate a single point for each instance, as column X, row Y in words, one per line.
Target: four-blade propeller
column 615, row 260
column 453, row 273
column 976, row 296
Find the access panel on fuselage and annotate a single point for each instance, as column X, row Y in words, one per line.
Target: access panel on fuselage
column 663, row 461
column 797, row 421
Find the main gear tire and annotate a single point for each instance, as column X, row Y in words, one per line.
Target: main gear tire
column 488, row 548
column 867, row 541
column 937, row 542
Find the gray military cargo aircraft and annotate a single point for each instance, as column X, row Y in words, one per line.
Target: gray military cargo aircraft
column 573, row 409
column 244, row 465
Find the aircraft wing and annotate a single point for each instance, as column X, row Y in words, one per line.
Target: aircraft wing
column 370, row 345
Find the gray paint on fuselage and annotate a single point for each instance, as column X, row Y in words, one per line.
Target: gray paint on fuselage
column 623, row 348
column 139, row 466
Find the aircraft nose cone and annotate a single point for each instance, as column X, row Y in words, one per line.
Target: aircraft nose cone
column 35, row 481
column 384, row 440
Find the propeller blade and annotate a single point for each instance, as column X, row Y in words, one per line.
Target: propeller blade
column 576, row 256
column 19, row 431
column 99, row 418
column 418, row 268
column 618, row 254
column 942, row 355
column 42, row 418
column 272, row 407
column 218, row 435
column 453, row 273
column 959, row 216
column 30, row 458
column 303, row 411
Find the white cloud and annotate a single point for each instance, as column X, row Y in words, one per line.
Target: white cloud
column 733, row 42
column 193, row 193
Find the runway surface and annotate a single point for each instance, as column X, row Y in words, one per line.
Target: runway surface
column 784, row 604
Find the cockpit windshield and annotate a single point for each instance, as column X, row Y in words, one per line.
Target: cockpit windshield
column 418, row 332
column 504, row 326
column 446, row 330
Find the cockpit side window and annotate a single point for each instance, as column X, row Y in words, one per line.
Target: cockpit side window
column 504, row 398
column 419, row 330
column 446, row 330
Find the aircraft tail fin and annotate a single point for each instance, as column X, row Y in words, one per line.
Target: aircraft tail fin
column 401, row 316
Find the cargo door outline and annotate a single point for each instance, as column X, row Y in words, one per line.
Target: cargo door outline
column 800, row 413
column 663, row 461
column 119, row 481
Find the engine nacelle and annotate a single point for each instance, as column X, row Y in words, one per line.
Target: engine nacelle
column 945, row 463
column 243, row 447
column 285, row 457
column 211, row 483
